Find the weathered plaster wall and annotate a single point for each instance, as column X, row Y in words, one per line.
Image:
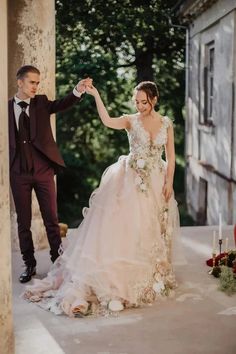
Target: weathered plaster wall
column 31, row 40
column 6, row 325
column 215, row 146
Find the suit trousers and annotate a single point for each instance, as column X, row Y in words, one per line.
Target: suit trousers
column 42, row 181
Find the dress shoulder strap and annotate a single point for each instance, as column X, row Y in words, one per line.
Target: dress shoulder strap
column 131, row 118
column 167, row 122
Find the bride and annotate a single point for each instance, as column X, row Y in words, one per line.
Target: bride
column 121, row 254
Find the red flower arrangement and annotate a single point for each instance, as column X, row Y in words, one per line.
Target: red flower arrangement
column 224, row 267
column 222, row 258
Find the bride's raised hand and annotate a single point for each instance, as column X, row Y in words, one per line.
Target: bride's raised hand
column 91, row 90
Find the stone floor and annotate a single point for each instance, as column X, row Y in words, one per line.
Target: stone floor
column 200, row 319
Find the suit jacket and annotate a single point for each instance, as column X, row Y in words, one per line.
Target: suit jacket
column 41, row 135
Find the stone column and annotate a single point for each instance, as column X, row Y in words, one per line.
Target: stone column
column 31, row 40
column 6, row 325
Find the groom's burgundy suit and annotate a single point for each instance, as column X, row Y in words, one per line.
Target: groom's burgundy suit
column 46, row 160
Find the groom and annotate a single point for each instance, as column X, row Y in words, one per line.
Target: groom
column 34, row 159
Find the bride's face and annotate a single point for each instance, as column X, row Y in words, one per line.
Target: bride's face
column 143, row 104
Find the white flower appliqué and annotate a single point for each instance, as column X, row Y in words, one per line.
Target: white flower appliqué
column 143, row 186
column 115, row 305
column 141, row 163
column 138, row 181
column 158, row 287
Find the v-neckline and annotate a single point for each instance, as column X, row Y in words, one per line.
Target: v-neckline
column 147, row 133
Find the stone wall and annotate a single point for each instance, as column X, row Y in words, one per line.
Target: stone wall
column 211, row 150
column 6, row 325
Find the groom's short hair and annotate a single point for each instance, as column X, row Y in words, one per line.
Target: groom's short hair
column 24, row 70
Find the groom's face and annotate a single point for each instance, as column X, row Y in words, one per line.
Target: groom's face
column 28, row 85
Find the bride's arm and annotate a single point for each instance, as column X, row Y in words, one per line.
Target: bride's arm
column 115, row 123
column 170, row 157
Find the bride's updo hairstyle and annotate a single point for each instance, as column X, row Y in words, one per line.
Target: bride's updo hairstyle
column 150, row 88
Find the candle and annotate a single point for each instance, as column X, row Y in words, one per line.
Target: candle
column 220, row 227
column 226, row 244
column 214, row 242
column 235, row 236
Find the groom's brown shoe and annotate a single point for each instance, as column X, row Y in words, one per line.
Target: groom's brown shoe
column 27, row 274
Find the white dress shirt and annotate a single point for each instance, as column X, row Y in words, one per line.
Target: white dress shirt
column 18, row 110
column 77, row 93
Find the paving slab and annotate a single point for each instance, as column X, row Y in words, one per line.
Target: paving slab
column 200, row 319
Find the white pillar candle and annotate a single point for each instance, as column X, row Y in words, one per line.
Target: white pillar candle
column 214, row 242
column 220, row 227
column 226, row 244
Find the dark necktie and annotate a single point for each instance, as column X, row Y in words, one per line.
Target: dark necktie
column 24, row 139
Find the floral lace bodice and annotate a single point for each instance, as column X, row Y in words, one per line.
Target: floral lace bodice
column 139, row 139
column 145, row 153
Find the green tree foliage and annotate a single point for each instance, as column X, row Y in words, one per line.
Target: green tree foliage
column 118, row 44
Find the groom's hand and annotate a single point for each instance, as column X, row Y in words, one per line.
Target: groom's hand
column 82, row 84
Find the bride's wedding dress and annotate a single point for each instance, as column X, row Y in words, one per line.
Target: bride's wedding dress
column 121, row 254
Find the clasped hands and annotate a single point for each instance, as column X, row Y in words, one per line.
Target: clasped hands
column 86, row 85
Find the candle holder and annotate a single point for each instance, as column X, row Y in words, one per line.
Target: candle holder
column 220, row 244
column 213, row 262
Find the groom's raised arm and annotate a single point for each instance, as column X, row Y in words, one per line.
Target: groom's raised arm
column 68, row 101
